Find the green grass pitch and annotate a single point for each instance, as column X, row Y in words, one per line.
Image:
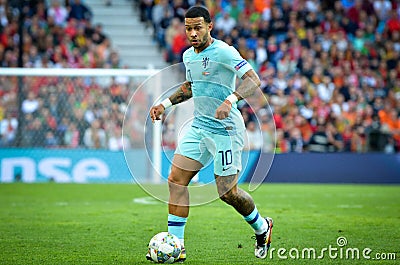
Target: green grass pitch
column 103, row 224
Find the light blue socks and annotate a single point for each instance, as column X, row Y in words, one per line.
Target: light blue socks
column 176, row 226
column 256, row 221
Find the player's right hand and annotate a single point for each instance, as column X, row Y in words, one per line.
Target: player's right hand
column 156, row 112
column 223, row 110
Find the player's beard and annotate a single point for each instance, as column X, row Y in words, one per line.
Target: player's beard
column 203, row 42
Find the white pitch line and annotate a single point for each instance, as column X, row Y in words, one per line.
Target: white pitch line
column 347, row 206
column 146, row 200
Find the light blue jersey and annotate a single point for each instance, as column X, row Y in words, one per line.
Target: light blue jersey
column 213, row 74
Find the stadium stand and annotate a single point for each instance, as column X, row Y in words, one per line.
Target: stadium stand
column 59, row 111
column 328, row 67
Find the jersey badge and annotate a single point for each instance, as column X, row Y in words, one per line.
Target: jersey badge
column 240, row 65
column 205, row 62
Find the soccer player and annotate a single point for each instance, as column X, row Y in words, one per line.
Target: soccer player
column 217, row 130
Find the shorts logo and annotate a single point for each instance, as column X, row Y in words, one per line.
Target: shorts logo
column 240, row 65
column 225, row 168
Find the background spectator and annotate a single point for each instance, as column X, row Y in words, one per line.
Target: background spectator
column 319, row 141
column 117, row 141
column 8, row 130
column 254, row 139
column 58, row 13
column 80, row 11
column 94, row 136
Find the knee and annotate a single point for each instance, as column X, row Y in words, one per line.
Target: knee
column 174, row 183
column 177, row 178
column 173, row 177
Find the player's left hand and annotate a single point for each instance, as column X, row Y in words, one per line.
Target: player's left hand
column 223, row 110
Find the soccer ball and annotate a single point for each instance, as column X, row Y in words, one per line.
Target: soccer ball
column 164, row 248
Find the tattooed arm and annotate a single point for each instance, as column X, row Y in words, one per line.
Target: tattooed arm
column 250, row 83
column 183, row 93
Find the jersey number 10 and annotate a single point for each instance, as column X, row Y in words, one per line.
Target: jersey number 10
column 226, row 157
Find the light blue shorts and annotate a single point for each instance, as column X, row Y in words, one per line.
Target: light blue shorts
column 203, row 146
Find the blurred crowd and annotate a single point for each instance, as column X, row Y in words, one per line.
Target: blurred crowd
column 330, row 70
column 70, row 112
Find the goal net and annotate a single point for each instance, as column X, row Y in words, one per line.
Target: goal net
column 78, row 109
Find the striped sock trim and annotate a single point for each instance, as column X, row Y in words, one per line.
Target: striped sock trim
column 254, row 219
column 176, row 225
column 178, row 219
column 253, row 215
column 172, row 223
